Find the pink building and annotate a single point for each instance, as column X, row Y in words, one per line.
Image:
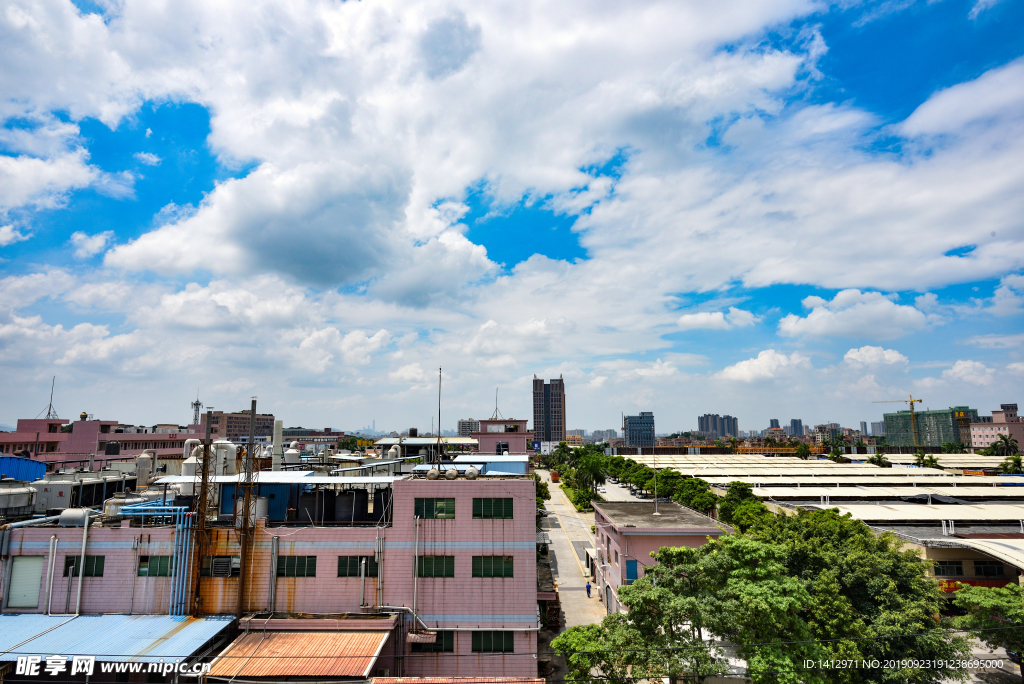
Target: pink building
column 58, row 440
column 457, row 557
column 498, row 436
column 627, row 534
column 1004, row 422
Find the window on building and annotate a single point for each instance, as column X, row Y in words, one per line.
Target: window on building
column 492, row 508
column 436, row 566
column 616, row 556
column 154, row 566
column 431, row 509
column 492, row 566
column 220, row 566
column 631, row 571
column 949, row 569
column 296, row 566
column 350, row 566
column 982, row 568
column 493, row 642
column 93, row 566
column 445, row 643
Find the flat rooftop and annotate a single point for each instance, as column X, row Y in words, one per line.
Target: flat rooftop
column 641, row 514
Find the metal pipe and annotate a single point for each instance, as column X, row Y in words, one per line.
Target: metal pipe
column 81, row 566
column 275, row 543
column 49, row 577
column 362, row 583
column 416, row 567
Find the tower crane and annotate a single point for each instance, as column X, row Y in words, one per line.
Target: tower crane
column 913, row 421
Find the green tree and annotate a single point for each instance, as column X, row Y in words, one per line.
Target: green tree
column 696, row 493
column 589, row 471
column 803, row 451
column 879, row 460
column 923, row 460
column 1005, row 445
column 1012, row 465
column 739, row 492
column 749, row 513
column 990, row 610
column 953, row 448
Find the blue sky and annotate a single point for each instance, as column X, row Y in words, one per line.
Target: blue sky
column 769, row 209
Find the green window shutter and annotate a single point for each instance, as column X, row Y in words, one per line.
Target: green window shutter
column 310, row 566
column 282, row 565
column 509, row 645
column 342, row 565
column 450, row 508
column 478, row 566
column 487, row 641
column 487, row 509
column 508, row 508
column 418, row 508
column 478, row 509
column 100, row 562
column 477, row 642
column 449, row 641
column 449, row 566
column 421, row 571
column 289, row 566
column 508, row 566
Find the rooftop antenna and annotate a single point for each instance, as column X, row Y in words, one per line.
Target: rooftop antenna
column 497, row 414
column 440, row 446
column 50, row 411
column 197, row 406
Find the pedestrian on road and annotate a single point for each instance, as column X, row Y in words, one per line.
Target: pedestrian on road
column 588, row 589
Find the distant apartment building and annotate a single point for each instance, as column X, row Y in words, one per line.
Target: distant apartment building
column 604, row 435
column 576, row 433
column 878, row 428
column 934, row 428
column 827, row 432
column 231, row 426
column 1005, row 421
column 468, row 426
column 864, row 428
column 549, row 409
column 639, row 430
column 773, row 423
column 714, row 426
column 796, row 427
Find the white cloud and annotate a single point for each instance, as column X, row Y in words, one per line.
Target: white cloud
column 704, row 319
column 767, row 365
column 972, row 372
column 411, row 373
column 1016, row 367
column 980, row 6
column 852, row 313
column 717, row 320
column 148, row 158
column 872, row 356
column 9, row 235
column 997, row 341
column 90, row 245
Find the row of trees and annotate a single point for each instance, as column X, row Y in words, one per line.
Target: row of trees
column 815, row 586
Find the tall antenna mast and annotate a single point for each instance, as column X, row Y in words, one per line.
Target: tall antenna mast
column 440, row 446
column 197, row 406
column 497, row 414
column 50, row 411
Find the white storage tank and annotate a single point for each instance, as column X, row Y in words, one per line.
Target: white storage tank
column 74, row 517
column 259, row 508
column 292, row 456
column 113, row 505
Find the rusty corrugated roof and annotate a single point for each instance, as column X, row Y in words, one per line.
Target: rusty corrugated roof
column 300, row 654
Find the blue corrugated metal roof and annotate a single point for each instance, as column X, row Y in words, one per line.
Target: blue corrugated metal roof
column 111, row 638
column 18, row 468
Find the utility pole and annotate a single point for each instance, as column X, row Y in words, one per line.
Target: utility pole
column 200, row 504
column 245, row 527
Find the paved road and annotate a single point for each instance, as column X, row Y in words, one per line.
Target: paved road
column 570, row 530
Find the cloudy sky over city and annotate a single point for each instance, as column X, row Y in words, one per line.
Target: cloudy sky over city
column 767, row 208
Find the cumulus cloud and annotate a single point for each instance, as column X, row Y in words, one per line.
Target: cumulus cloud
column 972, row 372
column 10, row 234
column 873, row 356
column 718, row 320
column 767, row 365
column 852, row 313
column 148, row 158
column 90, row 245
